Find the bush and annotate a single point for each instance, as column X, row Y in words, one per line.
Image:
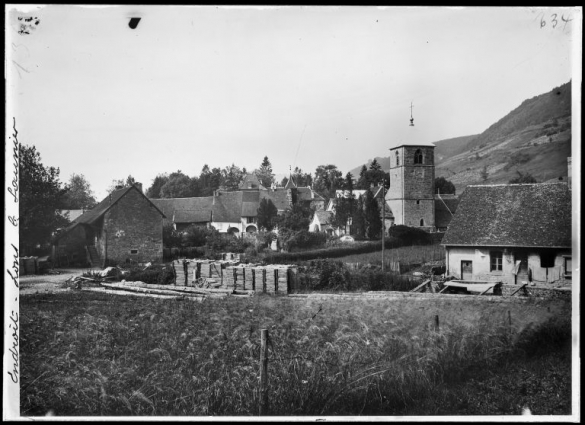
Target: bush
column 335, row 276
column 305, row 239
column 196, row 235
column 404, row 235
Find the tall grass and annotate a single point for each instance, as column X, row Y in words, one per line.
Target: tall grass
column 97, row 354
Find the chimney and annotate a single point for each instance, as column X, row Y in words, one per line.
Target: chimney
column 569, row 170
column 118, row 187
column 138, row 186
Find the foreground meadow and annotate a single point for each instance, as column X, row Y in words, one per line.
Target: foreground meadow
column 94, row 354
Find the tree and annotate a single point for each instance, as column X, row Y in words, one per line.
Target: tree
column 327, row 179
column 362, row 182
column 345, row 206
column 159, row 181
column 375, row 166
column 179, row 185
column 359, row 220
column 372, row 216
column 295, row 218
column 40, row 196
column 171, row 238
column 267, row 214
column 264, row 173
column 300, row 179
column 121, row 183
column 231, row 177
column 523, row 178
column 444, row 186
column 209, row 180
column 375, row 175
column 78, row 193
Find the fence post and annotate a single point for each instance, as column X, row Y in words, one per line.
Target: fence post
column 437, row 322
column 263, row 396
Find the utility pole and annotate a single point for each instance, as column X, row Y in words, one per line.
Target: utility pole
column 383, row 223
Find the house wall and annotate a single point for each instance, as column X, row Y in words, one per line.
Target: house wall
column 133, row 223
column 223, row 227
column 480, row 257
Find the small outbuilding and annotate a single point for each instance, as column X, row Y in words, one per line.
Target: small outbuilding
column 124, row 227
column 513, row 233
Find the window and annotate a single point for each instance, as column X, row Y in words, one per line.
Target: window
column 422, row 222
column 495, row 261
column 397, row 159
column 133, row 251
column 418, row 157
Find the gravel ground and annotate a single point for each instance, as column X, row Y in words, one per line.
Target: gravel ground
column 49, row 283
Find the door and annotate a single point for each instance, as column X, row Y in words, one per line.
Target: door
column 466, row 270
column 522, row 274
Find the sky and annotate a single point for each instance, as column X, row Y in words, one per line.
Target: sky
column 305, row 86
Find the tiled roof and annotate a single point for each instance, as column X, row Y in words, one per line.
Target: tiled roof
column 89, row 217
column 279, row 198
column 250, row 181
column 308, row 194
column 445, row 208
column 186, row 216
column 228, row 207
column 197, row 205
column 527, row 215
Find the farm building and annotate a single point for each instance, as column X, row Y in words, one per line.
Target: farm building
column 234, row 212
column 125, row 226
column 512, row 233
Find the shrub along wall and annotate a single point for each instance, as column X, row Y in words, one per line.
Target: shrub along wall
column 342, row 251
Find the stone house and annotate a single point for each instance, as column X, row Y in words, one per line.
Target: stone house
column 511, row 233
column 125, row 226
column 321, row 222
column 233, row 212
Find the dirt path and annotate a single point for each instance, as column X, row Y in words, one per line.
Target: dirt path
column 50, row 283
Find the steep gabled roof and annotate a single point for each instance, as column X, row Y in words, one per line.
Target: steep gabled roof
column 91, row 216
column 445, row 208
column 251, row 181
column 523, row 215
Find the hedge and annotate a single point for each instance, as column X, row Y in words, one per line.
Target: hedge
column 350, row 249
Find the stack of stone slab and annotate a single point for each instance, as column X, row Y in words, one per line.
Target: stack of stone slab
column 273, row 279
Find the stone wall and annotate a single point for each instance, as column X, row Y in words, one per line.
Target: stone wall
column 537, row 292
column 133, row 230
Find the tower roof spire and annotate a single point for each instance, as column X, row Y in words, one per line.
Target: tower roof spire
column 411, row 118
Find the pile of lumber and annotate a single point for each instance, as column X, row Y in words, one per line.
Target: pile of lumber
column 196, row 294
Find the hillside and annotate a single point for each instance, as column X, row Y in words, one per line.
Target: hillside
column 534, row 138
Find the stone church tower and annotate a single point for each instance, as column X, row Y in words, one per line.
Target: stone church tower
column 412, row 185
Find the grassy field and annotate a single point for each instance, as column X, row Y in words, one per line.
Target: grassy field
column 96, row 354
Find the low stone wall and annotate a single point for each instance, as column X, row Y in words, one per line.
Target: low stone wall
column 538, row 292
